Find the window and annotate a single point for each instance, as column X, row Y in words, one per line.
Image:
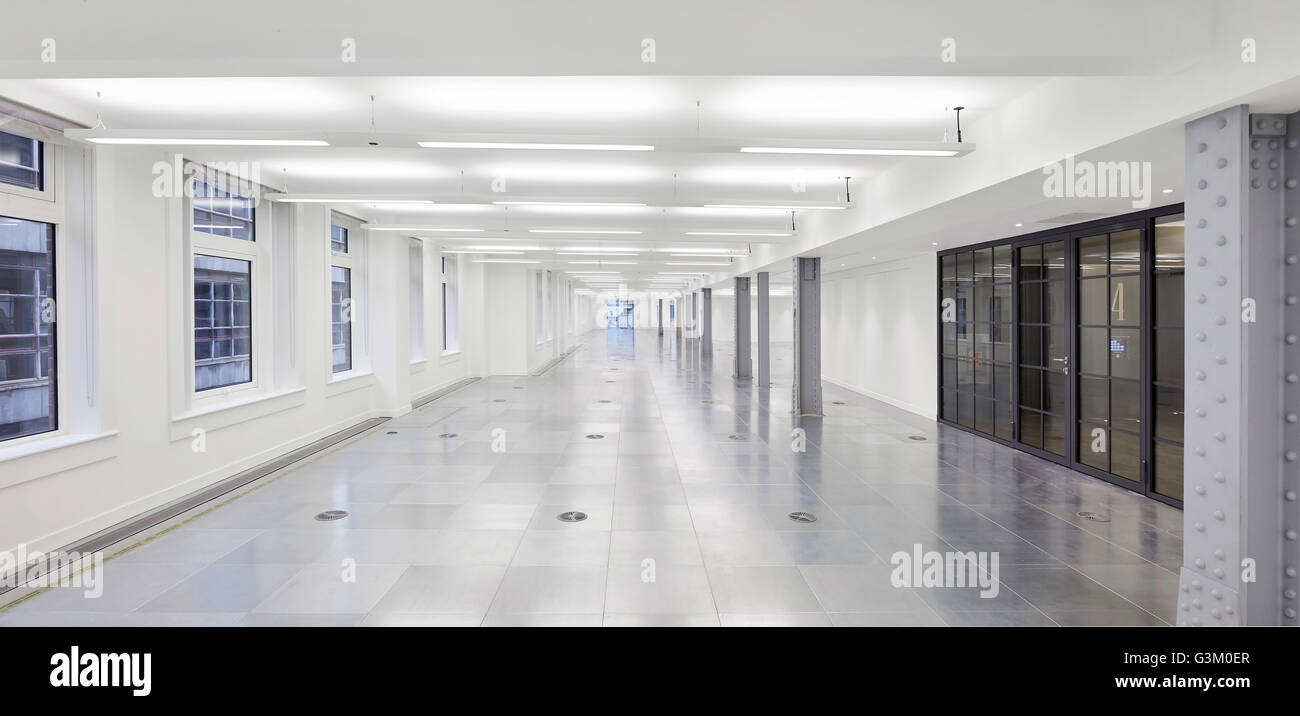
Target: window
column 28, row 380
column 550, row 311
column 224, row 260
column 21, row 162
column 221, row 212
column 341, row 318
column 539, row 329
column 1079, row 332
column 339, row 239
column 450, row 306
column 223, row 322
column 417, row 299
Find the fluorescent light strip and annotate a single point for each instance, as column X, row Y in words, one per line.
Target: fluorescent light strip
column 695, row 249
column 706, row 256
column 422, row 228
column 592, row 253
column 495, row 247
column 211, row 142
column 852, row 151
column 736, row 233
column 606, row 263
column 351, row 200
column 680, row 273
column 567, row 203
column 593, row 273
column 540, row 145
column 770, row 207
column 689, row 263
column 502, row 253
column 580, row 231
column 505, row 261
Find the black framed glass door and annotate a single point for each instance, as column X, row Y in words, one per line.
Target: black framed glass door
column 1068, row 344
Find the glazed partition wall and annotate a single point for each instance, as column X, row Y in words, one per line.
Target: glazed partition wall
column 1067, row 344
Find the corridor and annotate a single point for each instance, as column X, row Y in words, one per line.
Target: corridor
column 687, row 481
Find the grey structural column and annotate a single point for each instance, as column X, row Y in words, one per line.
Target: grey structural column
column 1242, row 358
column 661, row 316
column 706, row 321
column 744, row 367
column 764, row 331
column 807, row 337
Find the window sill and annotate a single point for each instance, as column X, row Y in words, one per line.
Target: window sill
column 235, row 411
column 348, row 382
column 449, row 357
column 419, row 365
column 56, row 453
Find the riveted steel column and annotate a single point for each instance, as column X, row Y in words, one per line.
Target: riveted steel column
column 706, row 321
column 1239, row 561
column 764, row 333
column 661, row 316
column 743, row 368
column 807, row 337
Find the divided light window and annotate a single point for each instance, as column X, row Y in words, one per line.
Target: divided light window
column 28, row 380
column 21, row 162
column 339, row 239
column 220, row 212
column 341, row 318
column 223, row 323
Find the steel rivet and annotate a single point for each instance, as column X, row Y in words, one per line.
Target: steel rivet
column 1200, row 489
column 1199, row 527
column 1201, row 184
column 1200, row 563
column 1290, row 456
column 1218, row 515
column 1220, row 477
column 1220, row 436
column 1200, row 335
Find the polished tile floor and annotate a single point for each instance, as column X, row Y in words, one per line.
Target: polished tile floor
column 687, row 479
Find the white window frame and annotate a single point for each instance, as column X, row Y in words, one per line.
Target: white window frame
column 356, row 260
column 49, row 168
column 419, row 301
column 450, row 317
column 259, row 253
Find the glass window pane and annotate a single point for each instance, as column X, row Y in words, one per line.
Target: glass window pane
column 965, row 376
column 28, row 400
column 1031, row 263
column 966, row 409
column 1031, row 345
column 1167, row 478
column 1001, row 342
column 965, row 339
column 1093, row 351
column 1169, row 300
column 341, row 318
column 1054, row 300
column 222, row 357
column 1031, row 428
column 1055, row 348
column 949, row 338
column 1094, row 446
column 339, row 239
column 950, row 373
column 1125, row 251
column 1126, row 353
column 1003, row 419
column 1171, row 252
column 984, row 415
column 1092, row 256
column 1169, row 413
column 1169, row 356
column 1002, row 263
column 1031, row 387
column 983, row 346
column 1092, row 301
column 1125, row 460
column 222, row 212
column 1125, row 301
column 950, row 404
column 1031, row 303
column 21, row 161
column 1094, row 400
column 983, row 291
column 1054, row 434
column 1054, row 392
column 1054, row 260
column 1125, row 406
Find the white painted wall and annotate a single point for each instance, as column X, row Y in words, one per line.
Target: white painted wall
column 127, row 441
column 780, row 318
column 878, row 332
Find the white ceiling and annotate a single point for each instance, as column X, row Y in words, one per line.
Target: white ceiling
column 674, row 183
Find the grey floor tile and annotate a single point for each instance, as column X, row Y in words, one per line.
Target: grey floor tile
column 659, row 590
column 465, row 590
column 329, row 589
column 563, row 547
column 761, row 590
column 551, row 590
